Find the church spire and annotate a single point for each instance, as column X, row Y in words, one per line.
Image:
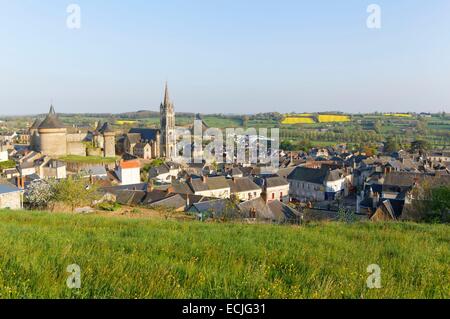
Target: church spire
column 52, row 110
column 166, row 96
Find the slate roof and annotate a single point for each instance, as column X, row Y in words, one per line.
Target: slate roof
column 211, row 183
column 315, row 176
column 175, row 201
column 181, row 188
column 130, row 197
column 118, row 188
column 154, row 196
column 148, row 134
column 217, row 207
column 244, row 184
column 272, row 181
column 5, row 189
column 36, row 124
column 134, row 138
column 106, row 128
column 94, row 171
column 275, row 211
column 51, row 121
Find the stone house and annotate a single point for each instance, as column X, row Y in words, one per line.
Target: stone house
column 317, row 184
column 274, row 188
column 10, row 197
column 129, row 172
column 143, row 150
column 244, row 188
column 215, row 187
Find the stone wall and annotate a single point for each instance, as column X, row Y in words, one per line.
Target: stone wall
column 11, row 200
column 76, row 148
column 53, row 142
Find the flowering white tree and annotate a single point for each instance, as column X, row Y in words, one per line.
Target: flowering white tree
column 40, row 193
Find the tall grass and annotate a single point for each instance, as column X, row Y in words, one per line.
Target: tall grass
column 122, row 258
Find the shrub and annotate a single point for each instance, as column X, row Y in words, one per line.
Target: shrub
column 109, row 206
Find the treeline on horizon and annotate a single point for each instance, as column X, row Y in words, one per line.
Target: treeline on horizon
column 143, row 114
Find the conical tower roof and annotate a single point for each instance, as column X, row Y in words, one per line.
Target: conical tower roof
column 99, row 126
column 51, row 121
column 36, row 124
column 106, row 128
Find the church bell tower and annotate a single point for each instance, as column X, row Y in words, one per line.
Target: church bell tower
column 167, row 126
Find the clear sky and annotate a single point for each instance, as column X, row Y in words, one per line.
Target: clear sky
column 225, row 56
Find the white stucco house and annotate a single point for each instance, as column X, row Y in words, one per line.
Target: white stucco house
column 129, row 172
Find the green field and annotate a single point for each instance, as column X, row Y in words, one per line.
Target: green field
column 142, row 258
column 88, row 159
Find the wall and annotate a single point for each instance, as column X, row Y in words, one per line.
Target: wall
column 306, row 191
column 76, row 148
column 3, row 156
column 11, row 200
column 129, row 176
column 110, row 145
column 244, row 196
column 218, row 193
column 53, row 142
column 277, row 192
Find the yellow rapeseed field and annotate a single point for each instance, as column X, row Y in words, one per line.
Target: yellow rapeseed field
column 123, row 122
column 398, row 114
column 333, row 118
column 298, row 120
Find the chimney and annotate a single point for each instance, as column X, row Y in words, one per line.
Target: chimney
column 188, row 202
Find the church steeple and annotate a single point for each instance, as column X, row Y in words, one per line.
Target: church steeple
column 167, row 125
column 166, row 96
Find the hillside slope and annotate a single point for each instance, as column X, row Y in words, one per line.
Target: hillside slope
column 122, row 258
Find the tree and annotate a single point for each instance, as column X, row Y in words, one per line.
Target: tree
column 377, row 126
column 287, row 145
column 75, row 192
column 40, row 194
column 420, row 146
column 391, row 145
column 422, row 126
column 431, row 202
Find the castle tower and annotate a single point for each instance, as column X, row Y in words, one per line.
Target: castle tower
column 34, row 135
column 167, row 127
column 109, row 140
column 53, row 135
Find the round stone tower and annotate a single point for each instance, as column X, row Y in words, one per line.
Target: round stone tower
column 53, row 135
column 109, row 140
column 34, row 136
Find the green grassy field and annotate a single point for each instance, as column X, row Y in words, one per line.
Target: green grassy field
column 123, row 258
column 88, row 159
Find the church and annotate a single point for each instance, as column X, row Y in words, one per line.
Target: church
column 152, row 143
column 52, row 138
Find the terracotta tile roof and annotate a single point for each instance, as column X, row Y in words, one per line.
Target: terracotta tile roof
column 130, row 164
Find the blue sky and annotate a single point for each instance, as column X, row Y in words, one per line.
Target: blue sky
column 225, row 56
